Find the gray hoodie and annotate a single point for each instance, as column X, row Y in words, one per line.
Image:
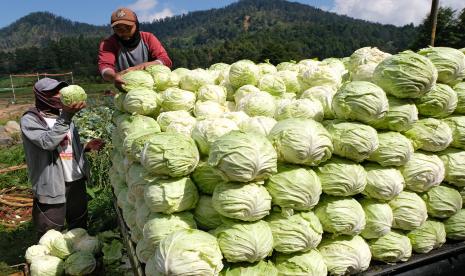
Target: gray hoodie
column 40, row 147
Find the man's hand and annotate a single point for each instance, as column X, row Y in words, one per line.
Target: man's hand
column 74, row 108
column 119, row 82
column 94, row 144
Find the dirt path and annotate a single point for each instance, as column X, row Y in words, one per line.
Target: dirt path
column 12, row 111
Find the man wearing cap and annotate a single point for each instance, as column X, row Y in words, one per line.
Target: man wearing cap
column 55, row 159
column 128, row 48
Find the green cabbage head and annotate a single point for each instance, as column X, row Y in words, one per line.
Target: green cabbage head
column 342, row 177
column 442, row 201
column 341, row 215
column 80, row 263
column 405, row 75
column 302, row 263
column 379, row 218
column 47, row 266
column 430, row 135
column 429, row 236
column 360, row 101
column 187, row 252
column 345, row 254
column 72, row 94
column 449, row 62
column 390, row 248
column 244, row 241
column 409, row 211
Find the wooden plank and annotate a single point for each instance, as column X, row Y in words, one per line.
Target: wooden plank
column 13, row 168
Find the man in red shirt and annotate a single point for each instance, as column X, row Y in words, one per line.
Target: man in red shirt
column 128, row 48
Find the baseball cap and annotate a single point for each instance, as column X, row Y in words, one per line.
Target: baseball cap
column 123, row 16
column 48, row 84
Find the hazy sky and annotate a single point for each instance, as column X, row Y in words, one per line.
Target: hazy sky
column 97, row 12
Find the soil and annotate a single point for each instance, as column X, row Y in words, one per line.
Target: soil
column 12, row 111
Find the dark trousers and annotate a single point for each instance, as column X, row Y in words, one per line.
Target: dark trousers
column 53, row 216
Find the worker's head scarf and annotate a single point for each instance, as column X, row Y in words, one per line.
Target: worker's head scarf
column 45, row 91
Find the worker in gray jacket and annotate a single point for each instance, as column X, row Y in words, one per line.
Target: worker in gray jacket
column 55, row 158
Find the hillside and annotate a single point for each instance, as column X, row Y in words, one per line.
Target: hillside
column 254, row 29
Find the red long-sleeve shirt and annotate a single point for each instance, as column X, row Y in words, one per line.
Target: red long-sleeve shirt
column 112, row 55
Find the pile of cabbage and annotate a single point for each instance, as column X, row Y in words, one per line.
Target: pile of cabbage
column 71, row 253
column 303, row 168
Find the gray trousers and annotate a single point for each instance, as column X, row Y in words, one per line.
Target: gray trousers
column 54, row 216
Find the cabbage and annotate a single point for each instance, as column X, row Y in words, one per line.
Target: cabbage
column 361, row 101
column 118, row 101
column 455, row 226
column 460, row 90
column 394, row 149
column 80, row 263
column 320, row 75
column 137, row 79
column 195, row 79
column 207, row 178
column 243, row 72
column 405, row 75
column 141, row 101
column 138, row 143
column 218, row 66
column 390, row 248
column 341, row 215
column 144, row 250
column 72, row 94
column 352, row 140
column 205, row 215
column 243, row 157
column 136, row 123
column 454, row 162
column 379, row 218
column 301, row 109
column 297, row 233
column 400, row 116
column 177, row 99
column 294, row 187
column 324, row 95
column 236, row 116
column 212, row 92
column 409, row 211
column 301, row 141
column 170, row 154
column 336, row 64
column 162, row 76
column 35, row 251
column 247, row 202
column 422, row 172
column 47, row 266
column 383, row 183
column 171, row 195
column 429, row 236
column 342, row 177
column 207, row 131
column 74, row 235
column 244, row 90
column 257, row 104
column 200, row 255
column 266, row 68
column 56, row 244
column 449, row 62
column 304, row 263
column 166, row 118
column 208, row 109
column 366, row 55
column 290, row 80
column 160, row 225
column 88, row 244
column 439, row 102
column 245, row 241
column 260, row 268
column 457, row 125
column 442, row 201
column 345, row 255
column 363, row 72
column 430, row 134
column 272, row 84
column 259, row 124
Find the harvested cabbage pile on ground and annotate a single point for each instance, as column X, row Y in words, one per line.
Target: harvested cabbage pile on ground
column 300, row 168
